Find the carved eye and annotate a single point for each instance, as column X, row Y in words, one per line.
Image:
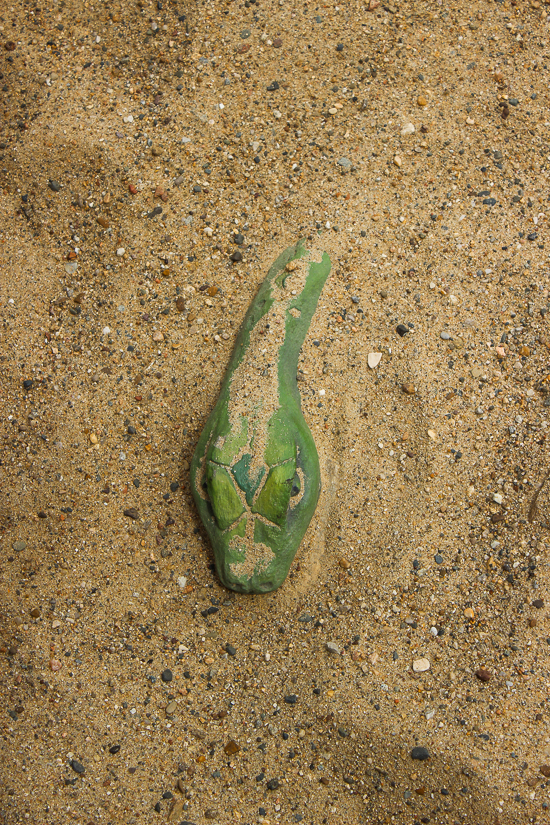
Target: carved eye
column 274, row 498
column 225, row 501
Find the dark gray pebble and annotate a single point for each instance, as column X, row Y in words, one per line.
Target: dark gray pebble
column 54, row 185
column 420, row 753
column 77, row 767
column 166, row 675
column 401, row 329
column 273, row 86
column 236, row 256
column 232, row 651
column 273, row 784
column 291, row 699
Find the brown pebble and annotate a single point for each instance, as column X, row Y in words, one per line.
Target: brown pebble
column 231, row 747
column 532, row 622
column 10, row 46
column 132, row 513
column 103, row 222
column 538, row 603
column 180, row 304
column 35, row 612
column 156, row 151
column 132, row 189
column 483, row 675
column 408, row 388
column 244, row 47
column 277, row 43
column 523, row 350
column 421, row 100
column 545, row 770
column 213, row 290
column 160, row 193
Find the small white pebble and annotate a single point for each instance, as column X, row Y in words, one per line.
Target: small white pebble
column 421, row 665
column 373, row 359
column 106, row 331
column 497, row 498
column 182, row 581
column 121, row 252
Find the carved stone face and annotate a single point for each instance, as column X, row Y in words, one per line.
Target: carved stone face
column 250, row 501
column 255, row 473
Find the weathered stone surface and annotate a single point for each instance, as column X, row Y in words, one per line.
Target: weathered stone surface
column 255, row 472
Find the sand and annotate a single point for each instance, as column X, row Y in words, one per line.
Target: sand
column 142, row 146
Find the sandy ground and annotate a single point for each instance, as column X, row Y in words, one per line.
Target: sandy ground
column 142, row 145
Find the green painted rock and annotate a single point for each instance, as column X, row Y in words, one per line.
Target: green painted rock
column 255, row 472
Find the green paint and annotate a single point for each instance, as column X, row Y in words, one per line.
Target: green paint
column 255, row 472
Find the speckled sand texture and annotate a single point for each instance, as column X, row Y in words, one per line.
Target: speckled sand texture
column 155, row 158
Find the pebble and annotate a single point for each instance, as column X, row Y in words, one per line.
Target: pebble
column 401, row 330
column 272, row 784
column 445, row 335
column 373, row 359
column 420, row 753
column 291, row 699
column 345, row 163
column 158, row 335
column 77, row 767
column 171, row 708
column 121, row 252
column 469, row 613
column 332, row 647
column 54, row 185
column 131, row 512
column 19, row 545
column 230, row 650
column 167, row 675
column 231, row 747
column 421, row 665
column 483, row 675
column 421, row 100
column 545, row 770
column 409, row 389
column 408, row 129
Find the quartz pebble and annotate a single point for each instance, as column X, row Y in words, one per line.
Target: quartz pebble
column 421, row 665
